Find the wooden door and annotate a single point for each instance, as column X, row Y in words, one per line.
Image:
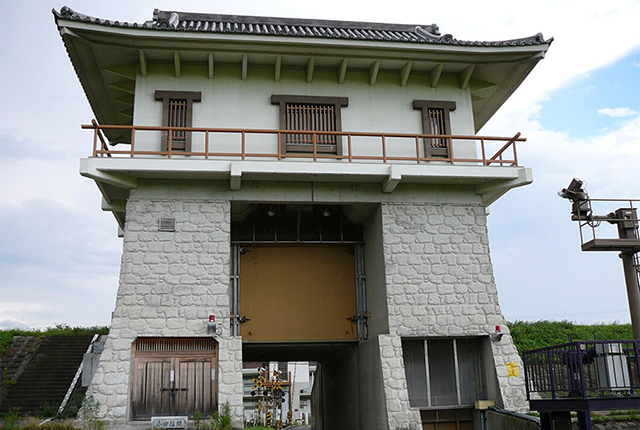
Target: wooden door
column 298, row 292
column 174, row 376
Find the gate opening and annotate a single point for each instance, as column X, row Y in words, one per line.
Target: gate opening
column 299, row 303
column 318, row 381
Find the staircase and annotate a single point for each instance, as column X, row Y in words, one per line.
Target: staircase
column 45, row 380
column 17, row 357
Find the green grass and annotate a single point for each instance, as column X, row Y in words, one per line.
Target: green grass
column 7, row 335
column 615, row 416
column 532, row 335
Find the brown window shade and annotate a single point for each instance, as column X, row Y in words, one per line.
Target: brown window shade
column 178, row 118
column 174, row 344
column 437, row 126
column 312, row 117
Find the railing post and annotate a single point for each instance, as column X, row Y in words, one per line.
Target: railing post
column 515, row 154
column 279, row 146
column 551, row 375
column 315, row 147
column 206, row 145
column 484, row 152
column 133, row 141
column 244, row 145
column 417, row 150
column 384, row 149
column 526, row 375
column 349, row 145
column 451, row 149
column 170, row 146
column 95, row 141
column 636, row 353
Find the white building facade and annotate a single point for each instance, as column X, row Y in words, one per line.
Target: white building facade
column 318, row 188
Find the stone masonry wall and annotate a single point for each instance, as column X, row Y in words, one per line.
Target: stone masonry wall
column 170, row 282
column 440, row 284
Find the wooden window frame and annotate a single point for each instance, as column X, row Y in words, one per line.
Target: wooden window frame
column 425, row 106
column 166, row 97
column 336, row 102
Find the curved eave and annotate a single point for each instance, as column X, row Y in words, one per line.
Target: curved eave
column 143, row 38
column 499, row 69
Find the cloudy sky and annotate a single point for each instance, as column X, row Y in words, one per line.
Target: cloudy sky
column 579, row 109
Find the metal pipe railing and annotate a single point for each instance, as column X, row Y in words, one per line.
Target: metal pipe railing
column 589, row 369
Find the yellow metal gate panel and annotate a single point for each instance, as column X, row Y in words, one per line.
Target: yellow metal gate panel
column 297, row 292
column 174, row 376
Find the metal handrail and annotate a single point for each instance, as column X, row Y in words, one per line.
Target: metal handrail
column 584, row 369
column 100, row 149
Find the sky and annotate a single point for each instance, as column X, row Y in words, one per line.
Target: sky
column 579, row 110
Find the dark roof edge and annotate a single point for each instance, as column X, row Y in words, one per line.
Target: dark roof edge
column 165, row 15
column 246, row 24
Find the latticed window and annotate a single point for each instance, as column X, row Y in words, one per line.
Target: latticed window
column 177, row 111
column 437, row 126
column 435, row 120
column 310, row 113
column 178, row 118
column 314, row 117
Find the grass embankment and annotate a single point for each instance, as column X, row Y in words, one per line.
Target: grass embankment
column 60, row 329
column 540, row 334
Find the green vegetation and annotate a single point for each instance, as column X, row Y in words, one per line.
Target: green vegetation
column 618, row 416
column 13, row 421
column 89, row 414
column 540, row 334
column 59, row 329
column 222, row 420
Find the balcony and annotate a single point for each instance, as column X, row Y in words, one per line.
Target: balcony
column 377, row 161
column 387, row 148
column 584, row 376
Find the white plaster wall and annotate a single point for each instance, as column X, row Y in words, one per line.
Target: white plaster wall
column 440, row 284
column 169, row 284
column 230, row 102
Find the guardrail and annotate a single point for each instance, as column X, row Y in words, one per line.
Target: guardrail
column 506, row 155
column 591, row 369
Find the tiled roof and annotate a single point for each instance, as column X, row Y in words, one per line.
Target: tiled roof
column 294, row 27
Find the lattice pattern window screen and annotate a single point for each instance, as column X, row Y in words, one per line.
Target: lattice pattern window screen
column 312, row 117
column 174, row 344
column 178, row 118
column 437, row 126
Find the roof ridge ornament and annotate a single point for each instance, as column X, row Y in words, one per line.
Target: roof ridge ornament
column 435, row 36
column 174, row 19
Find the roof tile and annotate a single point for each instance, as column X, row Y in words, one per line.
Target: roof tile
column 293, row 27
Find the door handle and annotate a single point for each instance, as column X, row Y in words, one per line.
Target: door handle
column 173, row 391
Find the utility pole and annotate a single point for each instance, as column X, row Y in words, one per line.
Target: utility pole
column 628, row 242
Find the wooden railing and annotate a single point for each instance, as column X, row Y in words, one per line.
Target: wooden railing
column 506, row 155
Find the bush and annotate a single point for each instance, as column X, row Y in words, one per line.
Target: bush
column 89, row 414
column 220, row 421
column 540, row 334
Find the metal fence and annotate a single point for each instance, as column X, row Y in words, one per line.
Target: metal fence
column 591, row 369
